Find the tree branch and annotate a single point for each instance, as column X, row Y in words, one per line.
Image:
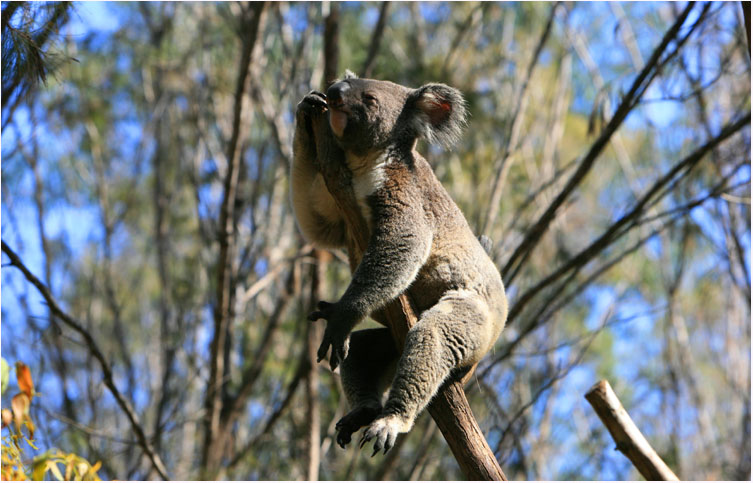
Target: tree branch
column 746, row 15
column 617, row 228
column 213, row 450
column 640, row 84
column 155, row 459
column 629, row 439
column 376, row 39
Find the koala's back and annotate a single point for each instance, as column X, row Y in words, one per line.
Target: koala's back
column 457, row 260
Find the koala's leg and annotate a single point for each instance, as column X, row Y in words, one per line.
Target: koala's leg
column 455, row 333
column 366, row 373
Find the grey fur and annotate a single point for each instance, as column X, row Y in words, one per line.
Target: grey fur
column 419, row 242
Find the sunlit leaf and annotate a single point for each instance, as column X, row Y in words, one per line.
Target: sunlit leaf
column 20, row 405
column 69, row 469
column 24, row 379
column 82, row 468
column 7, row 416
column 4, row 375
column 30, row 427
column 39, row 467
column 53, row 467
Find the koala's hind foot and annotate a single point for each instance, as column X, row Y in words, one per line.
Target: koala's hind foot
column 384, row 431
column 353, row 421
column 366, row 373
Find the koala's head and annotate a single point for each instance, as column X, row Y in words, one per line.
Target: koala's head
column 368, row 115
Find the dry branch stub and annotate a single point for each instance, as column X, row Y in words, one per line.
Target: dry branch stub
column 630, row 441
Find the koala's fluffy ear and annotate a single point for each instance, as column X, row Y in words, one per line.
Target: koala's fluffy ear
column 439, row 113
column 349, row 74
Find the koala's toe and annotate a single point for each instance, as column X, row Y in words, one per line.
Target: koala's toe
column 384, row 432
column 316, row 100
column 390, row 441
column 312, row 105
column 343, row 438
column 353, row 421
column 318, row 95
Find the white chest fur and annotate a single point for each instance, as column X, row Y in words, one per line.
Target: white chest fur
column 368, row 176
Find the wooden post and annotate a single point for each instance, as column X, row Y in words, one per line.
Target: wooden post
column 630, row 441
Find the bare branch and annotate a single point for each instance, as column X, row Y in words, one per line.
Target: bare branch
column 559, row 299
column 376, row 39
column 746, row 16
column 615, row 229
column 94, row 350
column 640, row 84
column 273, row 418
column 212, row 451
column 629, row 439
column 513, row 133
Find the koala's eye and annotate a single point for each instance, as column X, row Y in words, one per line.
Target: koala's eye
column 370, row 100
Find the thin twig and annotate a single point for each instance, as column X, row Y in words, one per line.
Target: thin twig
column 94, row 350
column 376, row 39
column 640, row 84
column 616, row 228
column 513, row 133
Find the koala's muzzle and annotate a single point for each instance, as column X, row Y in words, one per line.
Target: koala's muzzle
column 338, row 113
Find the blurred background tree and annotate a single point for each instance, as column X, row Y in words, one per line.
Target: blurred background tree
column 145, row 183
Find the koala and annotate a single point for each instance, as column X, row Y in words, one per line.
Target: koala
column 419, row 242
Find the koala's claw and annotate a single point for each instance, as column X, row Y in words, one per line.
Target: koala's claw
column 317, row 95
column 323, row 312
column 339, row 350
column 383, row 433
column 353, row 421
column 334, row 336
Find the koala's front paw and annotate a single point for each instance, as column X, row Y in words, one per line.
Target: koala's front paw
column 336, row 335
column 384, row 432
column 314, row 103
column 353, row 421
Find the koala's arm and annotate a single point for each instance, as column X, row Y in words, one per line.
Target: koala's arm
column 315, row 209
column 398, row 248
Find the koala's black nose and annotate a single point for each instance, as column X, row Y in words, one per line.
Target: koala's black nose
column 336, row 92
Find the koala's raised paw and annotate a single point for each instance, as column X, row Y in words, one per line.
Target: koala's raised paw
column 384, row 432
column 312, row 103
column 352, row 422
